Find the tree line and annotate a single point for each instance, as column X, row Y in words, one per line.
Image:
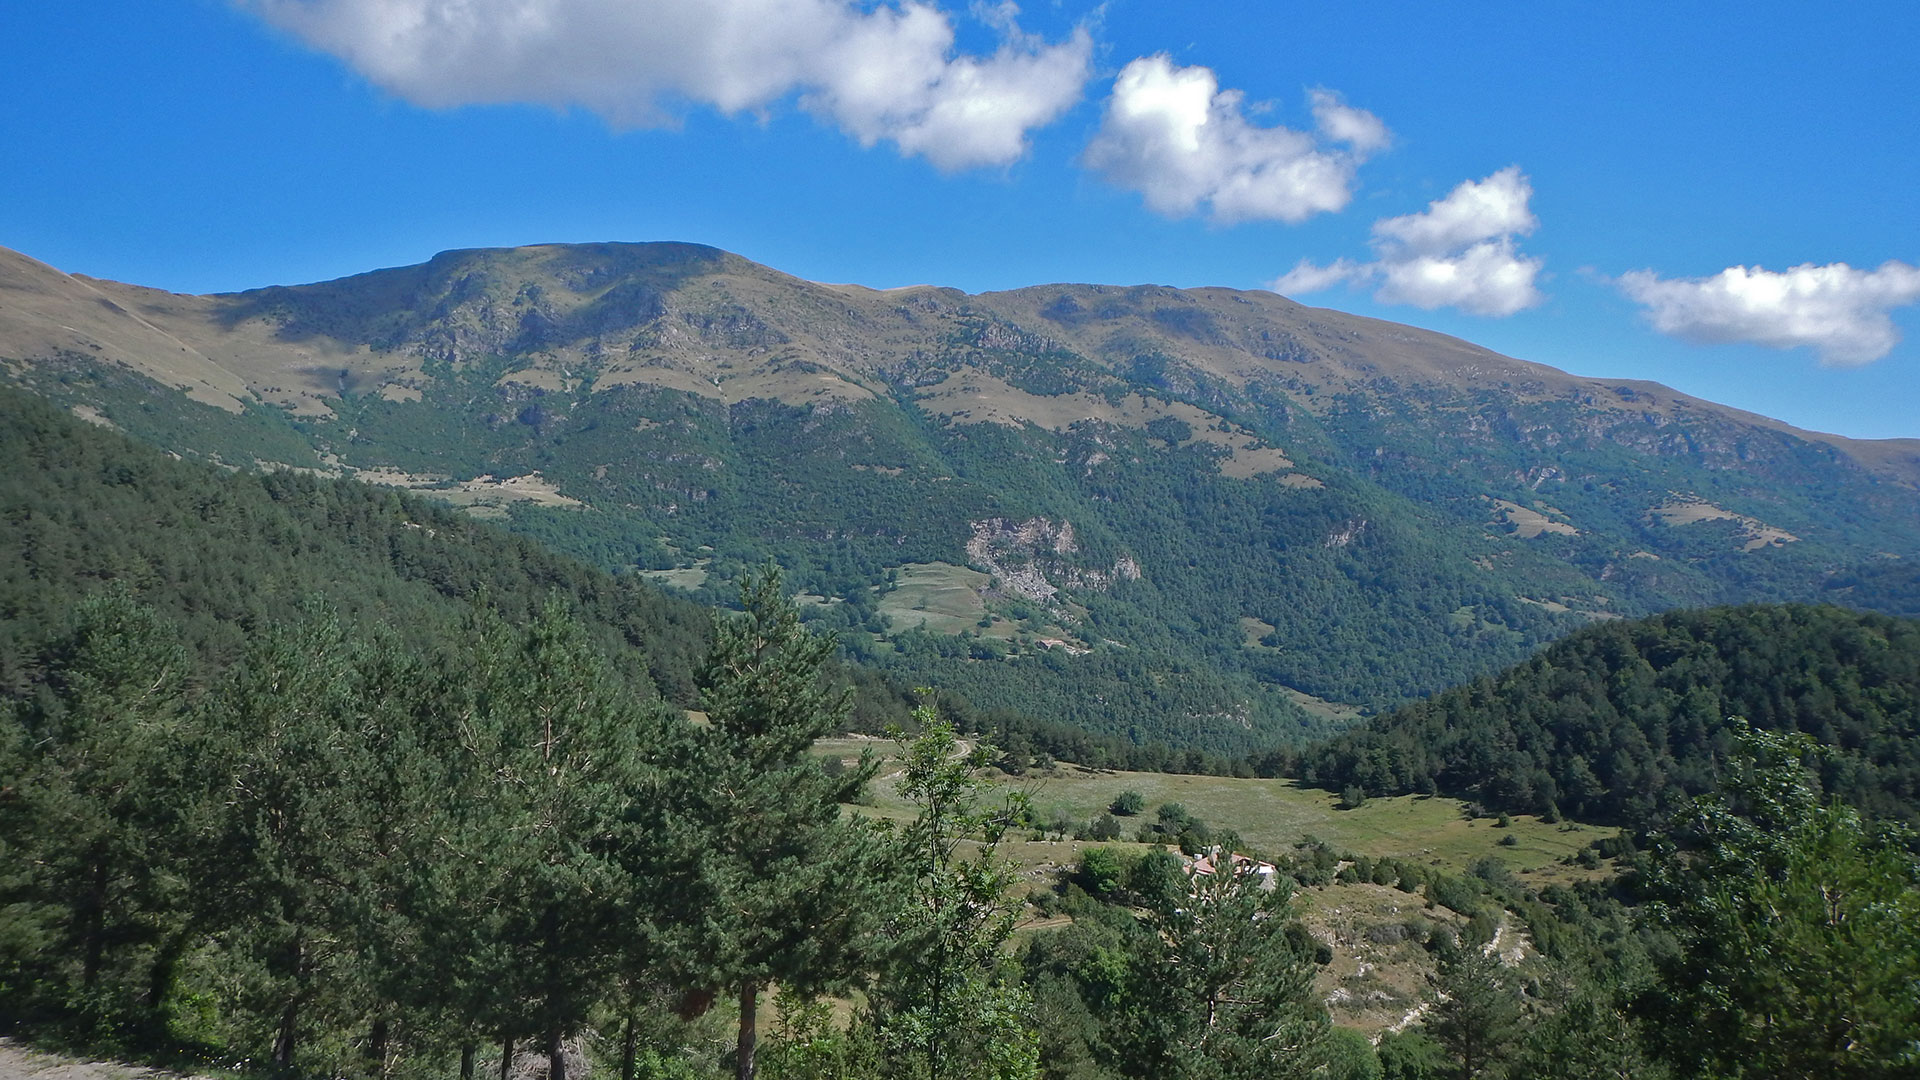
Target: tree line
column 1622, row 723
column 343, row 854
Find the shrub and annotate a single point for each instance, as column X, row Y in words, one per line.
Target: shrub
column 1103, row 828
column 1457, row 894
column 1128, row 803
column 1101, row 871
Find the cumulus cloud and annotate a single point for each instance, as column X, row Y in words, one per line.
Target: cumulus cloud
column 885, row 72
column 1838, row 310
column 1174, row 136
column 1461, row 251
column 1309, row 277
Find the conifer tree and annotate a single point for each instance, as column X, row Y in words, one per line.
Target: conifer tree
column 948, row 1006
column 1477, row 1013
column 560, row 736
column 286, row 744
column 1232, row 994
column 790, row 884
column 1798, row 929
column 94, row 811
column 401, row 845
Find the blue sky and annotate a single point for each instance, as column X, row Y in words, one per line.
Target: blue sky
column 1722, row 197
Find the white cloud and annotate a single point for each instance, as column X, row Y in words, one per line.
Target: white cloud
column 1307, row 277
column 1173, row 135
column 1461, row 251
column 1342, row 122
column 1838, row 310
column 1475, row 211
column 885, row 72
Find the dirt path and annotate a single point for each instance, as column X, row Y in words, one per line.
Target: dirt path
column 19, row 1062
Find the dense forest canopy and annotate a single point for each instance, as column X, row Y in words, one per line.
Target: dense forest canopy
column 1623, row 721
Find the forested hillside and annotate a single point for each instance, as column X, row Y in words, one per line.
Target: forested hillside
column 1214, row 519
column 225, row 555
column 1623, row 722
column 453, row 778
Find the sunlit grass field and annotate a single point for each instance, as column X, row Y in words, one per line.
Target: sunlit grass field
column 1270, row 816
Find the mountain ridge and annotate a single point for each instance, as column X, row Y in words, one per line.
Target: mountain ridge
column 1057, row 306
column 1174, row 515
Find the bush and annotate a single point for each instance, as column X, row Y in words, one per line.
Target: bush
column 1494, row 872
column 1350, row 1056
column 1412, row 1055
column 1353, row 797
column 1101, row 871
column 1103, row 828
column 1457, row 894
column 1157, row 879
column 1128, row 803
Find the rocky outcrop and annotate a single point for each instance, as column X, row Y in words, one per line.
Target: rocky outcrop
column 1026, row 558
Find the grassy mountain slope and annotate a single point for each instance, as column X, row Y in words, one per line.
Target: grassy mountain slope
column 1621, row 722
column 1167, row 514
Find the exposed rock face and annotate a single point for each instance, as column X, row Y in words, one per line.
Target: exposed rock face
column 1346, row 534
column 1007, row 550
column 1021, row 554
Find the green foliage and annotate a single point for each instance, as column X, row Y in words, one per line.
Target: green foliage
column 1101, row 872
column 91, row 821
column 1350, row 1056
column 1412, row 1055
column 798, row 879
column 1234, row 997
column 1209, row 982
column 1586, row 1035
column 1796, row 930
column 949, row 1007
column 1623, row 722
column 1128, row 803
column 1476, row 1014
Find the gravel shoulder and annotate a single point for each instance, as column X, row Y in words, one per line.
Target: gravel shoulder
column 18, row 1062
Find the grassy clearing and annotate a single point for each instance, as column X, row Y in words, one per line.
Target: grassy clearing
column 1273, row 815
column 939, row 596
column 1269, row 815
column 691, row 577
column 1527, row 524
column 1377, row 979
column 1332, row 710
column 1756, row 534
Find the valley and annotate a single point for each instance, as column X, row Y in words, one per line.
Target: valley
column 1044, row 500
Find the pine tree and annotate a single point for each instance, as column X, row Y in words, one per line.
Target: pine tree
column 94, row 808
column 1798, row 930
column 286, row 745
column 1230, row 992
column 948, row 1004
column 1477, row 1013
column 560, row 737
column 790, row 885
